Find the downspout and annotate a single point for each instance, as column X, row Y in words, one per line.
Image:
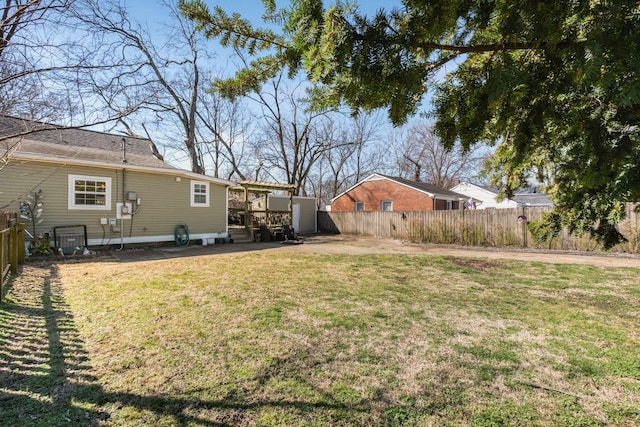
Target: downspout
column 124, row 181
column 226, row 217
column 124, row 191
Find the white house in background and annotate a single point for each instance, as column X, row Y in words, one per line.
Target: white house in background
column 485, row 197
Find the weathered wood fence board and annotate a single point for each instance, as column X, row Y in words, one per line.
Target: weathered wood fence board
column 488, row 227
column 12, row 251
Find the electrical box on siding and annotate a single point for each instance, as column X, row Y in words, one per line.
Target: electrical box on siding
column 123, row 210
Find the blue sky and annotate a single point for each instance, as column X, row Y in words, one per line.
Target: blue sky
column 152, row 14
column 152, row 11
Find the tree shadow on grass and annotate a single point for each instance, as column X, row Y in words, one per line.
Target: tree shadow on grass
column 46, row 378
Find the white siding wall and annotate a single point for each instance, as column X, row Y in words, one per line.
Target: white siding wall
column 487, row 198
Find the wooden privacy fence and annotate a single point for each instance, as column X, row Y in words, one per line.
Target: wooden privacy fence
column 486, row 227
column 12, row 252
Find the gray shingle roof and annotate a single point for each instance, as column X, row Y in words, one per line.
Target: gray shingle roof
column 51, row 141
column 423, row 186
column 532, row 199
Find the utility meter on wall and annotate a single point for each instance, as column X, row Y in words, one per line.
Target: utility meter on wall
column 123, row 210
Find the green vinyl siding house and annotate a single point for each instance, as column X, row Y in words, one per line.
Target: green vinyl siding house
column 114, row 186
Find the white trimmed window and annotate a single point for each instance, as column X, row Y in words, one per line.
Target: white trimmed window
column 199, row 194
column 386, row 205
column 89, row 192
column 359, row 206
column 449, row 205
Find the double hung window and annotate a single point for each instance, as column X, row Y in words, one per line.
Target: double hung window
column 89, row 192
column 199, row 194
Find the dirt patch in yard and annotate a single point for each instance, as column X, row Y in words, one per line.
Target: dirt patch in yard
column 474, row 264
column 341, row 244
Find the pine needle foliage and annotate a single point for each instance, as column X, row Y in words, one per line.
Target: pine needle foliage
column 554, row 85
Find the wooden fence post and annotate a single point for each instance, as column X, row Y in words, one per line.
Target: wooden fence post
column 20, row 242
column 13, row 249
column 2, row 259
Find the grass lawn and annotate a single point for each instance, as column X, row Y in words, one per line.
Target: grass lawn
column 275, row 338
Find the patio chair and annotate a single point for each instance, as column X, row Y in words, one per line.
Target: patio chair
column 288, row 232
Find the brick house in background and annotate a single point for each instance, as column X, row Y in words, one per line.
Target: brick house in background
column 385, row 193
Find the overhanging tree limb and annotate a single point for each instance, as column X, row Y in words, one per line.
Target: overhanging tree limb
column 562, row 82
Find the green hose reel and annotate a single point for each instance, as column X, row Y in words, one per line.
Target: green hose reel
column 181, row 235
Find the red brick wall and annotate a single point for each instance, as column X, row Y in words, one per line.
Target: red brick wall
column 372, row 193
